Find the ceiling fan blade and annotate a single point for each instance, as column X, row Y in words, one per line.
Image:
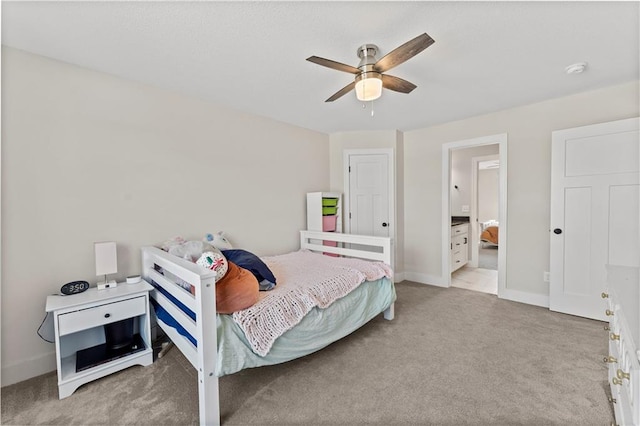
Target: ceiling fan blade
column 346, row 89
column 397, row 84
column 333, row 64
column 403, row 53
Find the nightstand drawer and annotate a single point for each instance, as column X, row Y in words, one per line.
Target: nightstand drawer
column 100, row 315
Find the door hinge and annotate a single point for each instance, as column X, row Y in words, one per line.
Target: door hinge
column 349, row 215
column 349, row 169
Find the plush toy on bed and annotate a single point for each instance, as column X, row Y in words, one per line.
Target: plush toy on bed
column 236, row 287
column 218, row 240
column 214, row 260
column 243, row 259
column 189, row 250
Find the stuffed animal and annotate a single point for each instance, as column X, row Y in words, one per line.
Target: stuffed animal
column 215, row 261
column 189, row 250
column 172, row 242
column 218, row 240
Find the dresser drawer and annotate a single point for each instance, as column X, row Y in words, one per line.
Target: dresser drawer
column 100, row 315
column 459, row 243
column 458, row 259
column 459, row 230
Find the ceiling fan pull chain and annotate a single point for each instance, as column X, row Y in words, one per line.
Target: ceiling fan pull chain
column 372, row 111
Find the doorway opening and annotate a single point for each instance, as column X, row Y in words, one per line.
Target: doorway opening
column 474, row 214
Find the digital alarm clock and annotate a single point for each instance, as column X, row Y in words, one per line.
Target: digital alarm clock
column 74, row 287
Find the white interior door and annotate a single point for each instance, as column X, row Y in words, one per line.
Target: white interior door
column 369, row 195
column 594, row 212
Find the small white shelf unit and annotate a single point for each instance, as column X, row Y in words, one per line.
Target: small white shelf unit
column 324, row 211
column 324, row 214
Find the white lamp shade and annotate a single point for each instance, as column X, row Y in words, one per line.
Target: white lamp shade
column 368, row 89
column 106, row 259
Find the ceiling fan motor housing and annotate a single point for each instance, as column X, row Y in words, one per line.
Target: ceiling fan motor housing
column 368, row 74
column 367, row 55
column 373, row 88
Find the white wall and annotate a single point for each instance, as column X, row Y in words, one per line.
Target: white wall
column 461, row 172
column 89, row 157
column 529, row 174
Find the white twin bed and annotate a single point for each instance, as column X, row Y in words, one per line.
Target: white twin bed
column 340, row 295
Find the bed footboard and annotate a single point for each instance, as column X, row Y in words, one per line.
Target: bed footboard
column 360, row 246
column 202, row 356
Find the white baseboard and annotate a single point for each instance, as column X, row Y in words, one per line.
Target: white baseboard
column 27, row 369
column 525, row 297
column 535, row 299
column 424, row 278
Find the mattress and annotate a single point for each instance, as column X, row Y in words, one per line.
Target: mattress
column 319, row 328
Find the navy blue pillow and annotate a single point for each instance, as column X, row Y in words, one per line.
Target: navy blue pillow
column 253, row 264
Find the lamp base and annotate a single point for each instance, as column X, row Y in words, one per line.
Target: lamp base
column 108, row 284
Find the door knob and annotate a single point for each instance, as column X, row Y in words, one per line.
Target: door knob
column 385, row 224
column 557, row 231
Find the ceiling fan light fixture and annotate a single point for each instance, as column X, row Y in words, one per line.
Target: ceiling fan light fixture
column 368, row 86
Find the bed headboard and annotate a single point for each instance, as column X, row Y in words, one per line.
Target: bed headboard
column 485, row 225
column 360, row 246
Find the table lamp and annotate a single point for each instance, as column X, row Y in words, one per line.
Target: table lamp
column 106, row 262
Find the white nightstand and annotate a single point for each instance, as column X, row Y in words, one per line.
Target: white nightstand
column 81, row 351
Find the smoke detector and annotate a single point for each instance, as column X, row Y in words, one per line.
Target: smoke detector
column 576, row 68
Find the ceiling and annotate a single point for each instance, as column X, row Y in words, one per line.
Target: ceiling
column 250, row 56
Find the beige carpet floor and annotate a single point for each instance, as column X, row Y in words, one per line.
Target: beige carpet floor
column 451, row 357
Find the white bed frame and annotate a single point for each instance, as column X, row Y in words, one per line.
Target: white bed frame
column 203, row 358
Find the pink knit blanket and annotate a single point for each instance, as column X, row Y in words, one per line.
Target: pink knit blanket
column 305, row 280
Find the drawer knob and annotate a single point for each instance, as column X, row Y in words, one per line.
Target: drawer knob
column 605, row 295
column 612, row 400
column 616, row 381
column 607, row 328
column 622, row 375
column 107, row 315
column 614, row 336
column 609, row 312
column 609, row 358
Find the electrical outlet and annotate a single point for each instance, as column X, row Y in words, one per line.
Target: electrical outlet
column 545, row 277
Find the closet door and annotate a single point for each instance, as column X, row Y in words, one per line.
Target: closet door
column 594, row 212
column 369, row 195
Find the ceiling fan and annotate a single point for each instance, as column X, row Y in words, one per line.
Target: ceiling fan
column 369, row 77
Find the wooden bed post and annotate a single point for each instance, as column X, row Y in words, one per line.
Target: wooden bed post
column 206, row 324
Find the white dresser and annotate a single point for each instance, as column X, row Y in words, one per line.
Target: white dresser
column 623, row 311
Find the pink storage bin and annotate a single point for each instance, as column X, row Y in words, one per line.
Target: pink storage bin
column 329, row 223
column 331, row 244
